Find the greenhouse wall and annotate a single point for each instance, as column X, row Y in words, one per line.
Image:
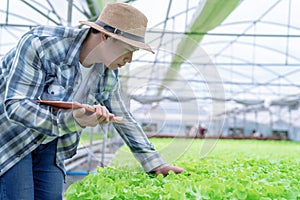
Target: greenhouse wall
column 245, row 127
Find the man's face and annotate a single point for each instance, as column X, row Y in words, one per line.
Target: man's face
column 121, row 53
column 111, row 52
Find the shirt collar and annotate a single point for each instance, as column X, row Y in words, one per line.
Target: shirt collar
column 73, row 54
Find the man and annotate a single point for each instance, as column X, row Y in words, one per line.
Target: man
column 46, row 64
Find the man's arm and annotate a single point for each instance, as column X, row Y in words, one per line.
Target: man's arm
column 134, row 136
column 25, row 84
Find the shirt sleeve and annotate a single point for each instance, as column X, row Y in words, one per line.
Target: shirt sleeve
column 25, row 84
column 133, row 135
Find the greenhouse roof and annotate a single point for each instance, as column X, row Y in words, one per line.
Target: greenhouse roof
column 251, row 58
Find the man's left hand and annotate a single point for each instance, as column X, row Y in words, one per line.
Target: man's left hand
column 164, row 170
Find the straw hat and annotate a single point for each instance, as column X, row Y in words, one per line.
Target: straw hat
column 123, row 22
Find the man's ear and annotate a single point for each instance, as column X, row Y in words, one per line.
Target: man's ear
column 104, row 36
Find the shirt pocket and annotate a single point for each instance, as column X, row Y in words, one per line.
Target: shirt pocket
column 53, row 90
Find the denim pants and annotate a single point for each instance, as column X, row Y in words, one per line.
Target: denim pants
column 35, row 177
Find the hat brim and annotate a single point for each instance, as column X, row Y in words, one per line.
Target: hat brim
column 134, row 43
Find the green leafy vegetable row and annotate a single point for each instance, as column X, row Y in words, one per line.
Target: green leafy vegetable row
column 233, row 170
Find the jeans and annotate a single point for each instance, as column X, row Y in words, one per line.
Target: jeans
column 36, row 177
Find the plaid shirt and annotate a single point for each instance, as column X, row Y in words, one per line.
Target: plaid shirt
column 45, row 65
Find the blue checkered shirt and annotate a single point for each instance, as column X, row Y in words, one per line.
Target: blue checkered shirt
column 45, row 65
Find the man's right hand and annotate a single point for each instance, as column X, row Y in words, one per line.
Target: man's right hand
column 84, row 118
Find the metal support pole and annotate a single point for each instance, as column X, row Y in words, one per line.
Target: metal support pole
column 256, row 122
column 244, row 120
column 290, row 123
column 234, row 123
column 271, row 121
column 90, row 152
column 70, row 8
column 7, row 12
column 105, row 130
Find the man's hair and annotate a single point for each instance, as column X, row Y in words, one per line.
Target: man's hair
column 95, row 31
